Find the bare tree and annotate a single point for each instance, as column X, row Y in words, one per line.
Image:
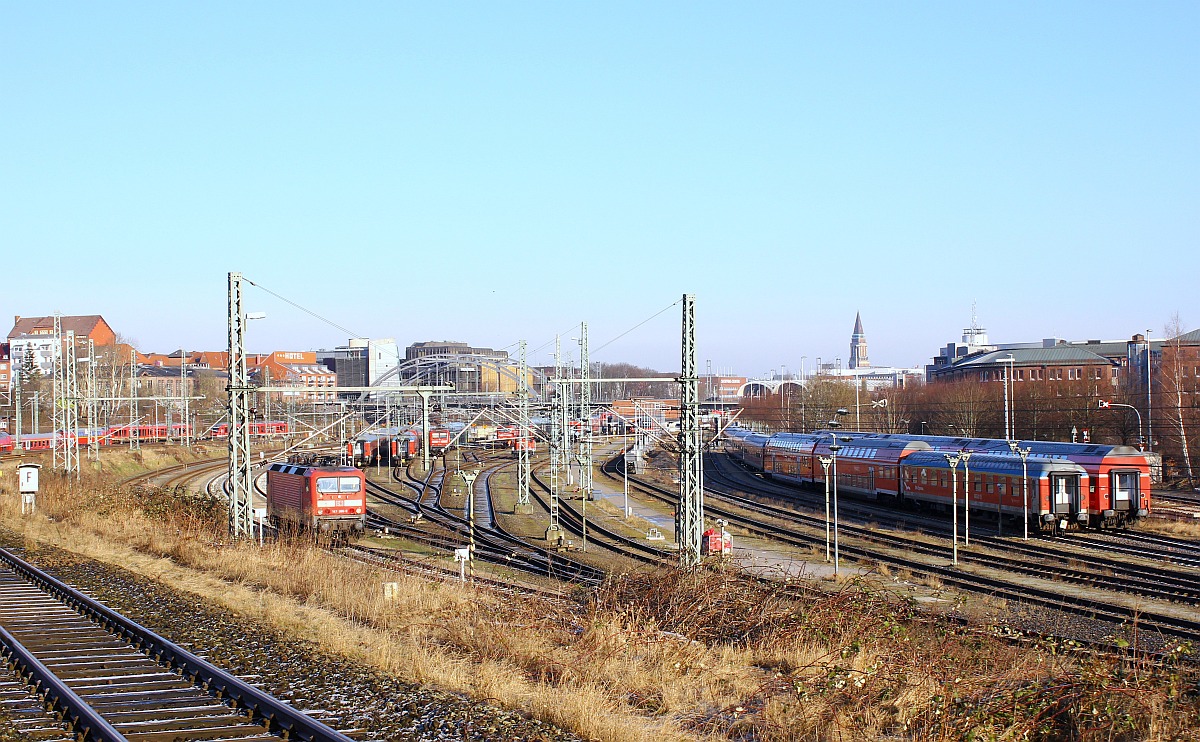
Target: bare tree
column 1177, row 380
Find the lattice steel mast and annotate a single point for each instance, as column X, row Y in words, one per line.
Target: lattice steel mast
column 689, row 517
column 524, row 438
column 66, row 403
column 241, row 503
column 553, row 530
column 93, row 419
column 585, row 415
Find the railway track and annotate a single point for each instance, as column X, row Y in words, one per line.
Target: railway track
column 389, row 560
column 1055, row 560
column 749, row 515
column 493, row 545
column 573, row 521
column 110, row 679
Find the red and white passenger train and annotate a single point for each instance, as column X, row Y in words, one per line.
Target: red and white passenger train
column 1059, row 486
column 118, row 435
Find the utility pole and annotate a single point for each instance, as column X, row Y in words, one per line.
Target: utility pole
column 185, row 434
column 424, row 430
column 469, row 478
column 689, row 517
column 92, row 417
column 566, row 416
column 557, row 450
column 133, row 404
column 524, row 438
column 585, row 415
column 241, row 503
column 66, row 402
column 17, row 437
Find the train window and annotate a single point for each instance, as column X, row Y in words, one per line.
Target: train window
column 924, row 476
column 991, row 484
column 942, row 480
column 348, row 484
column 1000, row 485
column 327, row 484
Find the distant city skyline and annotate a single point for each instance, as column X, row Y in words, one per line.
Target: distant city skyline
column 497, row 173
column 570, row 350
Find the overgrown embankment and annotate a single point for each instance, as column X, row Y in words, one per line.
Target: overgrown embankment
column 652, row 655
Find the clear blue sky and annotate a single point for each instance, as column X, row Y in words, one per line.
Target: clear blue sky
column 488, row 172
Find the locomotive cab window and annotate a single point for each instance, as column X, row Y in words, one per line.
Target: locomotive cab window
column 327, row 484
column 348, row 484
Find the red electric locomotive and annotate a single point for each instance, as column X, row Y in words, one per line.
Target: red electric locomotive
column 439, row 439
column 6, row 443
column 328, row 500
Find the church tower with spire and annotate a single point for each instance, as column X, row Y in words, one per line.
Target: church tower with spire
column 858, row 345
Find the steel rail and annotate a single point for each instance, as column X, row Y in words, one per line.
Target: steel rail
column 58, row 697
column 1166, row 625
column 276, row 715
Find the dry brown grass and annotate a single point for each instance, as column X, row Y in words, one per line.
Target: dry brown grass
column 1177, row 528
column 652, row 655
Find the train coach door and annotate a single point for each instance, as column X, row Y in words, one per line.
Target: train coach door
column 1065, row 490
column 1124, row 488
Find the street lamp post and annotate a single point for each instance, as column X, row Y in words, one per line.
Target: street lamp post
column 625, row 467
column 877, row 404
column 469, row 478
column 825, row 462
column 966, row 459
column 586, row 492
column 833, row 449
column 837, row 557
column 1102, row 403
column 1024, row 454
column 952, row 460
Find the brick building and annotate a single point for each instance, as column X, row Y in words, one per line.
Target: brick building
column 294, row 368
column 31, row 340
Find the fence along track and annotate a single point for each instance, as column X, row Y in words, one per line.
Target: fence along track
column 111, row 679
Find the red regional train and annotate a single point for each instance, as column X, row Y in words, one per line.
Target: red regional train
column 117, row 435
column 1118, row 491
column 259, row 428
column 327, row 500
column 385, row 446
column 1055, row 489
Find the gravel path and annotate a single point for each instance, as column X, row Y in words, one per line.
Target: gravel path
column 357, row 700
